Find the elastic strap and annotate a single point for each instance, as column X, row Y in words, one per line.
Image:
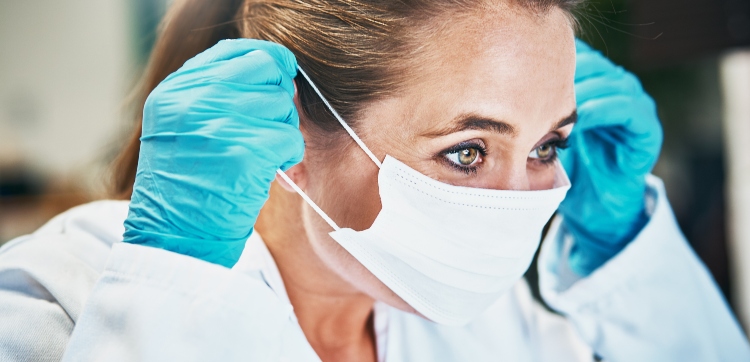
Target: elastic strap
column 349, row 131
column 308, row 200
column 341, row 120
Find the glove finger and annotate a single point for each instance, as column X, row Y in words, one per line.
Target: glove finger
column 642, row 135
column 220, row 108
column 280, row 107
column 582, row 46
column 637, row 114
column 223, row 50
column 593, row 63
column 607, row 85
column 233, row 48
column 226, row 178
column 567, row 158
column 294, row 149
column 263, row 103
column 257, row 67
column 218, row 158
column 276, row 145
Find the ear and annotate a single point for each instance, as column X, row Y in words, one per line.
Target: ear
column 298, row 174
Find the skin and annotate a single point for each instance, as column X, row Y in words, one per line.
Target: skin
column 511, row 69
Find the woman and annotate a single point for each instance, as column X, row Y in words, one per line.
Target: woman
column 414, row 147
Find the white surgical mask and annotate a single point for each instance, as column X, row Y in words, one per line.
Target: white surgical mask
column 448, row 251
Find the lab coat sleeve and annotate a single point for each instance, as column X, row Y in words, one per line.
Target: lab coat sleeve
column 654, row 301
column 33, row 325
column 154, row 305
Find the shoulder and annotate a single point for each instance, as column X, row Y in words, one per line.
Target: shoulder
column 46, row 277
column 85, row 233
column 62, row 260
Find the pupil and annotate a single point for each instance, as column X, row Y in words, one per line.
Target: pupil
column 467, row 156
column 544, row 151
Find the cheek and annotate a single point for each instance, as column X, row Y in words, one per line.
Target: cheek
column 347, row 190
column 333, row 255
column 344, row 185
column 541, row 177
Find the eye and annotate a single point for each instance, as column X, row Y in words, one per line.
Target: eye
column 548, row 152
column 543, row 152
column 464, row 157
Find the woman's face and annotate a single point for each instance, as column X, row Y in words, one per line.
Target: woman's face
column 490, row 100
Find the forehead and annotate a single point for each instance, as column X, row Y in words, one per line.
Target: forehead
column 507, row 63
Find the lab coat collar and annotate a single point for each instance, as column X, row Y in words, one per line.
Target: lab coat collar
column 256, row 259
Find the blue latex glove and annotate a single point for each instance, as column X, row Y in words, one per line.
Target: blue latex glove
column 214, row 134
column 612, row 148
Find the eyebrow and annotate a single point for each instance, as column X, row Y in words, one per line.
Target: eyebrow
column 474, row 122
column 571, row 119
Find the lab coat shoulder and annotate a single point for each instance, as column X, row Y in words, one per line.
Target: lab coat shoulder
column 46, row 277
column 654, row 301
column 73, row 291
column 153, row 305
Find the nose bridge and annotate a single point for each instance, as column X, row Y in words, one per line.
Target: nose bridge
column 514, row 177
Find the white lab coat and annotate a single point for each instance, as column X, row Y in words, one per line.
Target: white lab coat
column 73, row 290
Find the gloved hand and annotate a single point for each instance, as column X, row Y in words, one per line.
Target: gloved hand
column 612, row 148
column 214, row 134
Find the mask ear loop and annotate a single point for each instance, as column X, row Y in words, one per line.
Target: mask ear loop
column 349, row 131
column 308, row 200
column 341, row 120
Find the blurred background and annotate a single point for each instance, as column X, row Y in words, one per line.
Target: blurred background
column 66, row 69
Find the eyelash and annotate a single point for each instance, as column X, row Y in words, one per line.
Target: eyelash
column 558, row 144
column 469, row 170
